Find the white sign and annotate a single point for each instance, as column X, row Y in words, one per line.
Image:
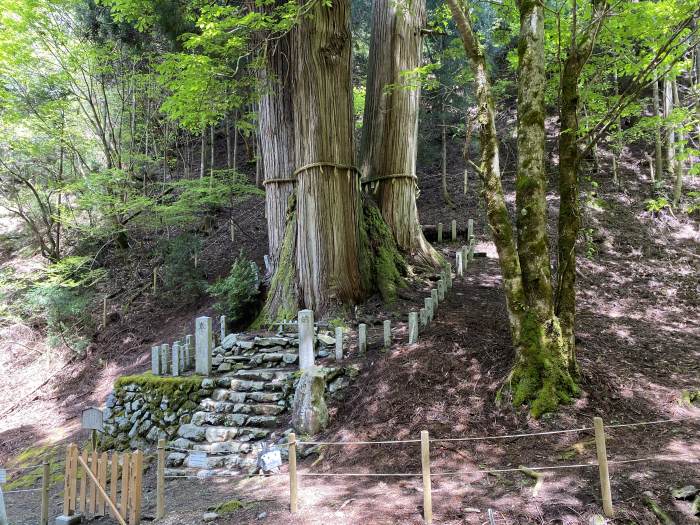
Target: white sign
column 270, row 459
column 3, row 475
column 197, row 459
column 92, row 419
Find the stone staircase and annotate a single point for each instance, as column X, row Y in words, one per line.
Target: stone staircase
column 242, row 408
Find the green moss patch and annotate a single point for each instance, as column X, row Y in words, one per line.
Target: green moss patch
column 172, row 386
column 231, row 506
column 31, row 478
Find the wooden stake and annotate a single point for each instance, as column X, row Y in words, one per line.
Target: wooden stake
column 603, row 466
column 66, row 481
column 93, row 485
column 155, row 280
column 124, row 503
column 45, row 480
column 83, row 484
column 293, row 487
column 102, row 476
column 425, row 463
column 114, row 481
column 137, row 472
column 160, row 481
column 104, row 312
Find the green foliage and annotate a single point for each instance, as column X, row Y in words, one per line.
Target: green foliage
column 181, row 280
column 655, row 206
column 693, row 207
column 62, row 298
column 239, row 291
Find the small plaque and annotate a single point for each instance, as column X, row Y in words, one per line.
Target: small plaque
column 92, row 419
column 197, row 459
column 270, row 459
column 3, row 475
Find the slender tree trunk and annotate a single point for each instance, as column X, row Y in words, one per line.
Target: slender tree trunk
column 227, row 127
column 443, row 162
column 659, row 162
column 203, row 153
column 389, row 140
column 678, row 162
column 670, row 129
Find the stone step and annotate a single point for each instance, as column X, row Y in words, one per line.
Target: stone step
column 264, row 374
column 224, row 394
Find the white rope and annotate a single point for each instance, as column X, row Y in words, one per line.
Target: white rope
column 510, row 436
column 657, row 422
column 388, row 442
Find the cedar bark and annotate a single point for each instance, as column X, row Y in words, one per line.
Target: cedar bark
column 276, row 131
column 389, row 140
column 328, row 194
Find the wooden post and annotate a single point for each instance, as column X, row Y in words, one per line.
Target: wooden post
column 45, row 480
column 67, row 481
column 160, row 481
column 114, row 481
column 387, row 333
column 104, row 312
column 83, row 484
column 454, row 230
column 441, row 289
column 233, row 236
column 362, row 338
column 423, row 316
column 470, row 229
column 137, row 472
column 425, row 463
column 603, row 466
column 338, row 343
column 436, row 302
column 155, row 280
column 293, row 487
column 439, row 233
column 460, row 266
column 126, row 469
column 428, row 302
column 93, row 485
column 102, row 476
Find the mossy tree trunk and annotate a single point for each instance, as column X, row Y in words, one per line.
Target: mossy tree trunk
column 390, row 124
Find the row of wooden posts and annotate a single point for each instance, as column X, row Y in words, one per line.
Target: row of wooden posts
column 601, row 454
column 453, row 230
column 88, row 476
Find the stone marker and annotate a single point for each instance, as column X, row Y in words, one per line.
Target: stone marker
column 181, row 356
column 165, row 359
column 362, row 338
column 436, row 302
column 458, row 262
column 423, row 316
column 309, row 410
column 439, row 232
column 188, row 351
column 465, row 256
column 176, row 359
column 441, row 289
column 203, row 345
column 470, row 253
column 428, row 302
column 306, row 338
column 470, row 229
column 412, row 327
column 338, row 343
column 454, row 230
column 387, row 334
column 155, row 360
column 222, row 327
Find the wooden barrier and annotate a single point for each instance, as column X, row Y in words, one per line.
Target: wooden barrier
column 293, row 486
column 427, row 490
column 602, row 455
column 91, row 497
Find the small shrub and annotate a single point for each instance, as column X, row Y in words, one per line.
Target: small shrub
column 180, row 277
column 239, row 292
column 655, row 206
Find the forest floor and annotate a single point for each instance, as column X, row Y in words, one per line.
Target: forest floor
column 639, row 352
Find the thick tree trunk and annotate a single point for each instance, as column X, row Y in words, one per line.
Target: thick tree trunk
column 389, row 141
column 276, row 131
column 328, row 192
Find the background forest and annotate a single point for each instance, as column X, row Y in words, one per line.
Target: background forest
column 160, row 159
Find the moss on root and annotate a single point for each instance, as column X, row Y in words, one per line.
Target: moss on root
column 282, row 301
column 541, row 377
column 381, row 264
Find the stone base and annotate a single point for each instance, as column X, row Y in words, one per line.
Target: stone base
column 69, row 520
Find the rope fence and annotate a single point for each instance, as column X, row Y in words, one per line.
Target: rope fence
column 601, row 463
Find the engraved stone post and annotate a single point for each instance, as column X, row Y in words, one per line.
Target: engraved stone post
column 203, row 348
column 460, row 266
column 412, row 327
column 189, row 354
column 164, row 359
column 454, row 230
column 428, row 302
column 338, row 343
column 436, row 302
column 423, row 316
column 176, row 359
column 155, row 360
column 439, row 232
column 306, row 339
column 470, row 229
column 387, row 334
column 222, row 327
column 441, row 289
column 362, row 338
